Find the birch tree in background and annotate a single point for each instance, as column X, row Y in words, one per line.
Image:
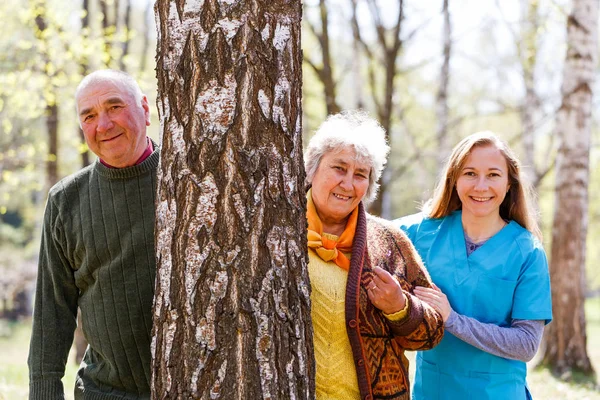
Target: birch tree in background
column 441, row 109
column 527, row 50
column 232, row 302
column 532, row 30
column 566, row 335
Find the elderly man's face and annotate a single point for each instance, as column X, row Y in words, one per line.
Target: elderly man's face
column 113, row 123
column 338, row 186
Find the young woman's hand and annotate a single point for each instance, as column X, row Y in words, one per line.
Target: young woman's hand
column 385, row 292
column 435, row 298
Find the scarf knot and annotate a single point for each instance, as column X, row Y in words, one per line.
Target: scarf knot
column 326, row 248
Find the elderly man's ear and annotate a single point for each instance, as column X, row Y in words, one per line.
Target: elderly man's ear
column 146, row 108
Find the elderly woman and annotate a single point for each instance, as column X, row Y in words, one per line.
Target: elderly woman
column 362, row 269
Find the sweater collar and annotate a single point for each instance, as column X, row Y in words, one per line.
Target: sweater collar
column 149, row 164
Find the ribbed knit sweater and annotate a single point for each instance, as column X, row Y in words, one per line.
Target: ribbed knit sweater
column 97, row 252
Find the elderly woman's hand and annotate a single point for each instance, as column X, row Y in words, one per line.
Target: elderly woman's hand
column 435, row 298
column 385, row 292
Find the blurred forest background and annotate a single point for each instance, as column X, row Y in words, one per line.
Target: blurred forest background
column 431, row 71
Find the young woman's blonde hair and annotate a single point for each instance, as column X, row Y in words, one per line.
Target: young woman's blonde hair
column 518, row 203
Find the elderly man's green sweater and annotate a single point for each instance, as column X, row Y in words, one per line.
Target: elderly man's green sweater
column 97, row 253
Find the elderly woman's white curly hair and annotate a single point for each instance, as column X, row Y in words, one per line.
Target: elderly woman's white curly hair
column 353, row 129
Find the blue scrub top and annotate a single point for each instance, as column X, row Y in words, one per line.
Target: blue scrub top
column 506, row 278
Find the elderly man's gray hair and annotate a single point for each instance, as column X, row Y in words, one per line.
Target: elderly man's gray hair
column 120, row 78
column 350, row 129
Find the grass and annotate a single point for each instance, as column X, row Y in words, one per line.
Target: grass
column 545, row 386
column 14, row 344
column 14, row 375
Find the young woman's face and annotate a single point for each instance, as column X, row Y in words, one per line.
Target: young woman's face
column 483, row 183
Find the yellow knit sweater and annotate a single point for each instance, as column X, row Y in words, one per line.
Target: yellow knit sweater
column 336, row 374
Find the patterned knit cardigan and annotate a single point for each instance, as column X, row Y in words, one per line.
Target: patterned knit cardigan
column 378, row 344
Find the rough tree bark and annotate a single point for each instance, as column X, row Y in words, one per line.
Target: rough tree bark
column 566, row 336
column 441, row 108
column 232, row 303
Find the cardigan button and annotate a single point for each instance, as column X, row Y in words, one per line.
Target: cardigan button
column 368, row 397
column 361, row 363
column 352, row 323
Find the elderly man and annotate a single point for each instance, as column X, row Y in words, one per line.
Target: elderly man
column 97, row 252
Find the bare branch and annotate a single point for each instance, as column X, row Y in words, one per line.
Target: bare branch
column 379, row 28
column 397, row 29
column 314, row 31
column 317, row 69
column 356, row 31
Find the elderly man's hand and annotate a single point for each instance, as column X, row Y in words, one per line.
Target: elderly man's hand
column 385, row 292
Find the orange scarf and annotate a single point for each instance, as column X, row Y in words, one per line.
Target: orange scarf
column 327, row 249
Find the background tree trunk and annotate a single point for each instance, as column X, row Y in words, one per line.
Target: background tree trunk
column 566, row 336
column 126, row 32
column 527, row 50
column 442, row 109
column 108, row 32
column 146, row 42
column 325, row 71
column 390, row 43
column 232, row 305
column 84, row 66
column 50, row 95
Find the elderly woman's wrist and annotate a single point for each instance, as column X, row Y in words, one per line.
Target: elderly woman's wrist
column 401, row 313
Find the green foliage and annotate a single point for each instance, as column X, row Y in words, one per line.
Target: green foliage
column 41, row 63
column 14, row 375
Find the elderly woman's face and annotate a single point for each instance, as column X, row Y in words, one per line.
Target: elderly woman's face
column 339, row 185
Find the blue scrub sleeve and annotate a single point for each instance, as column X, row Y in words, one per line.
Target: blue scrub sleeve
column 532, row 299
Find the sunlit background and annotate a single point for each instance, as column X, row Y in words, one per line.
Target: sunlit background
column 505, row 72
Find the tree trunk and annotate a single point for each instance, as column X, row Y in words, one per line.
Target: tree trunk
column 390, row 42
column 84, row 65
column 356, row 59
column 441, row 109
column 51, row 113
column 325, row 72
column 566, row 336
column 146, row 43
column 528, row 58
column 127, row 32
column 108, row 28
column 232, row 303
column 52, row 157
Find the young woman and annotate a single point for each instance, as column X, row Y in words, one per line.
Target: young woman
column 481, row 245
